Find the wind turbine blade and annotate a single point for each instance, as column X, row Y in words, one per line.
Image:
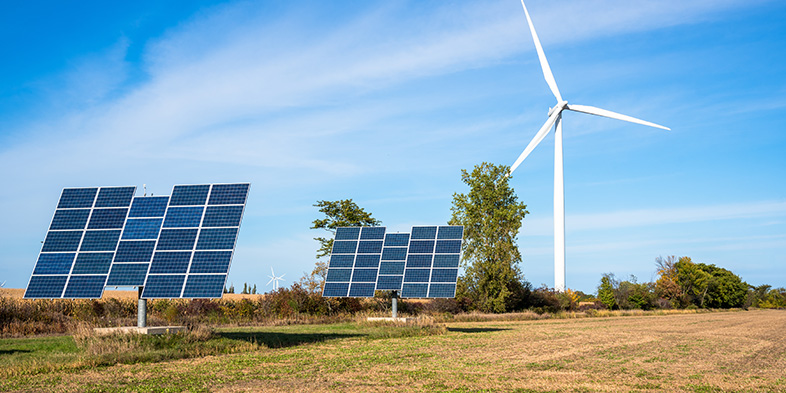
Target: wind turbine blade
column 544, row 130
column 613, row 115
column 544, row 64
column 271, row 280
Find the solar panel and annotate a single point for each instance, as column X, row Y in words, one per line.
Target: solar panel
column 196, row 242
column 178, row 246
column 420, row 264
column 80, row 243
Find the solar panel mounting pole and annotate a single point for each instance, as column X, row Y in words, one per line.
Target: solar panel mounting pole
column 394, row 306
column 141, row 310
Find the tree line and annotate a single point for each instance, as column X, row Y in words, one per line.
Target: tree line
column 494, row 282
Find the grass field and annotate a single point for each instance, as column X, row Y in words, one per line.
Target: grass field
column 742, row 351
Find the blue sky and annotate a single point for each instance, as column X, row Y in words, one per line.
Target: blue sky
column 385, row 103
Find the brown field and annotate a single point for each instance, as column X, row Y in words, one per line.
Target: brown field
column 743, row 351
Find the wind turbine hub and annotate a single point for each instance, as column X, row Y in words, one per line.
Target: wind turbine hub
column 559, row 107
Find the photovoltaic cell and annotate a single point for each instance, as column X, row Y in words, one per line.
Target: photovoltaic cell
column 128, row 274
column 93, row 263
column 163, row 286
column 100, row 240
column 183, row 217
column 149, row 206
column 170, row 262
column 73, row 198
column 229, row 194
column 115, row 196
column 70, row 219
column 89, row 287
column 189, row 195
column 59, row 263
column 204, row 286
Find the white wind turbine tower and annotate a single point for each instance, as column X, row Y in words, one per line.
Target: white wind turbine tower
column 555, row 118
column 274, row 279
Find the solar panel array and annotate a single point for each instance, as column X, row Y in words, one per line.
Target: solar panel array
column 420, row 264
column 173, row 246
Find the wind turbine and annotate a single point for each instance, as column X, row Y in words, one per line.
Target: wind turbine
column 555, row 119
column 274, row 279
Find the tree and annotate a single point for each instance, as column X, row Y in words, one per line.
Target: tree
column 342, row 213
column 667, row 286
column 606, row 291
column 710, row 286
column 491, row 216
column 254, row 290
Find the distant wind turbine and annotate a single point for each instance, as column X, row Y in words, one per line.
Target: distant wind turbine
column 555, row 118
column 274, row 279
column 2, row 285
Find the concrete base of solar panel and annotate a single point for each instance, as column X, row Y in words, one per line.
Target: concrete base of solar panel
column 390, row 319
column 154, row 330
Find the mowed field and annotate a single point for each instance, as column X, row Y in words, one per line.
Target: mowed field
column 743, row 351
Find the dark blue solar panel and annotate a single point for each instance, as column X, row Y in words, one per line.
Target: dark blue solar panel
column 222, row 216
column 347, row 233
column 391, row 268
column 77, row 197
column 59, row 263
column 93, row 263
column 142, row 228
column 229, row 194
column 442, row 260
column 419, row 260
column 372, row 233
column 177, row 239
column 170, row 262
column 451, row 232
column 389, row 283
column 163, row 286
column 417, row 275
column 414, row 290
column 344, row 247
column 211, row 262
column 444, row 275
column 424, row 233
column 70, row 219
column 361, row 290
column 396, row 239
column 217, row 239
column 394, row 253
column 134, row 251
column 90, row 287
column 448, row 247
column 339, row 275
column 367, row 261
column 364, row 275
column 442, row 290
column 370, row 247
column 115, row 196
column 421, row 246
column 189, row 195
column 127, row 274
column 336, row 289
column 107, row 219
column 45, row 286
column 341, row 261
column 100, row 240
column 148, row 207
column 183, row 217
column 205, row 286
column 62, row 241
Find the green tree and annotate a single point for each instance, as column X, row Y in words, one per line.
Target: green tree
column 491, row 216
column 254, row 290
column 342, row 213
column 606, row 291
column 710, row 286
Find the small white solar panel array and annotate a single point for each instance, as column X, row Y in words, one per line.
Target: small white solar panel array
column 177, row 246
column 420, row 264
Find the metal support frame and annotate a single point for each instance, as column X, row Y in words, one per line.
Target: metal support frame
column 141, row 310
column 394, row 306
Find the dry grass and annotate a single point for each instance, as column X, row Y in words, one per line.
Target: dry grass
column 702, row 352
